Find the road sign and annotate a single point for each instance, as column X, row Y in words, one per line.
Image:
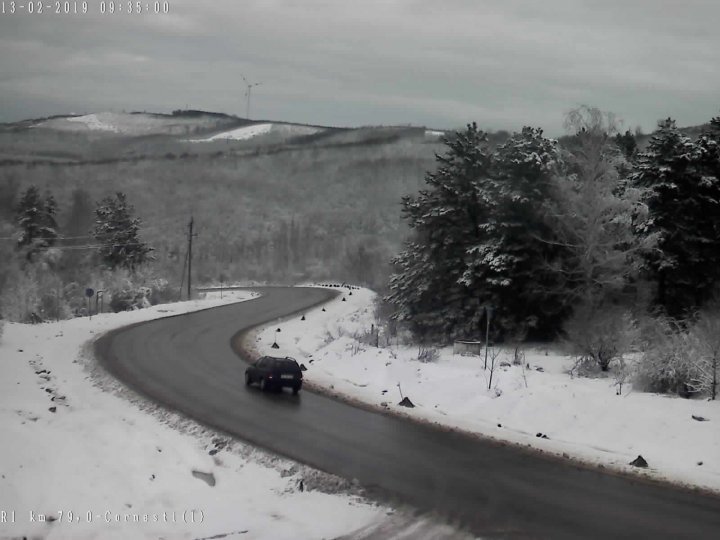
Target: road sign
column 89, row 292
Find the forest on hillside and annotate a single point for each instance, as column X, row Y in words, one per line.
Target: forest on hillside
column 318, row 208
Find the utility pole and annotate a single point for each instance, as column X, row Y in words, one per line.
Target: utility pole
column 189, row 266
column 488, row 314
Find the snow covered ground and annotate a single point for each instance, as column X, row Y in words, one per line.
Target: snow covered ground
column 580, row 417
column 132, row 124
column 256, row 130
column 76, row 441
column 83, row 457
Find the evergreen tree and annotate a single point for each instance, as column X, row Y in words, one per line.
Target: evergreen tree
column 445, row 219
column 118, row 233
column 627, row 143
column 475, row 240
column 35, row 218
column 684, row 213
column 709, row 143
column 510, row 264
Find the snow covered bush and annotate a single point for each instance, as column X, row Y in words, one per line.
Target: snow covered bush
column 428, row 354
column 669, row 359
column 161, row 292
column 129, row 299
column 21, row 295
column 705, row 335
column 75, row 298
column 597, row 336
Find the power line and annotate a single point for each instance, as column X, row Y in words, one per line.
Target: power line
column 96, row 246
column 87, row 236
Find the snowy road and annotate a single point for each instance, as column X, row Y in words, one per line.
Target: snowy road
column 495, row 490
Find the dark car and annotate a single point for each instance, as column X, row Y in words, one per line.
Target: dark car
column 273, row 373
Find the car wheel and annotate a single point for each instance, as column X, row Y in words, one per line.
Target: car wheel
column 248, row 380
column 263, row 385
column 296, row 389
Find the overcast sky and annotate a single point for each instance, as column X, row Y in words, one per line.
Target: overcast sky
column 504, row 64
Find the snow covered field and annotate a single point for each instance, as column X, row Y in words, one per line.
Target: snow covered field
column 256, row 130
column 100, row 462
column 580, row 417
column 76, row 441
column 131, row 124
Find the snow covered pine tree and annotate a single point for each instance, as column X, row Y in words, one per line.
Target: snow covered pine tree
column 35, row 218
column 118, row 233
column 474, row 240
column 683, row 201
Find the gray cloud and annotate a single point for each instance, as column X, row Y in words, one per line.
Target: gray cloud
column 344, row 62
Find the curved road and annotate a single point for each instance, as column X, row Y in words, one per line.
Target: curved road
column 187, row 363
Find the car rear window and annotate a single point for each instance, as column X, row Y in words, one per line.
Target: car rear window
column 282, row 363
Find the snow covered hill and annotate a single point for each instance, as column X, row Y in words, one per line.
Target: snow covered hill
column 138, row 124
column 256, row 130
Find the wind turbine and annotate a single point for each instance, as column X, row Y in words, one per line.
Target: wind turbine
column 247, row 94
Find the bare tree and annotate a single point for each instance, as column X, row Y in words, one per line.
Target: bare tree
column 593, row 209
column 493, row 364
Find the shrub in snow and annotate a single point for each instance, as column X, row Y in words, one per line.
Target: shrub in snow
column 129, row 299
column 705, row 335
column 598, row 335
column 75, row 299
column 2, row 327
column 21, row 295
column 518, row 356
column 369, row 337
column 428, row 354
column 669, row 358
column 161, row 292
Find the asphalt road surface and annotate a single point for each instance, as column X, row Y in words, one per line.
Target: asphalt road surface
column 187, row 363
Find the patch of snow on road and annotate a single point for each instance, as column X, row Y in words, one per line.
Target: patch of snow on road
column 95, row 465
column 581, row 417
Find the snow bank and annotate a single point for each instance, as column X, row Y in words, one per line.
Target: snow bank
column 581, row 418
column 100, row 466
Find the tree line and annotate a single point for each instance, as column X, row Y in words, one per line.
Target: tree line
column 41, row 278
column 551, row 238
